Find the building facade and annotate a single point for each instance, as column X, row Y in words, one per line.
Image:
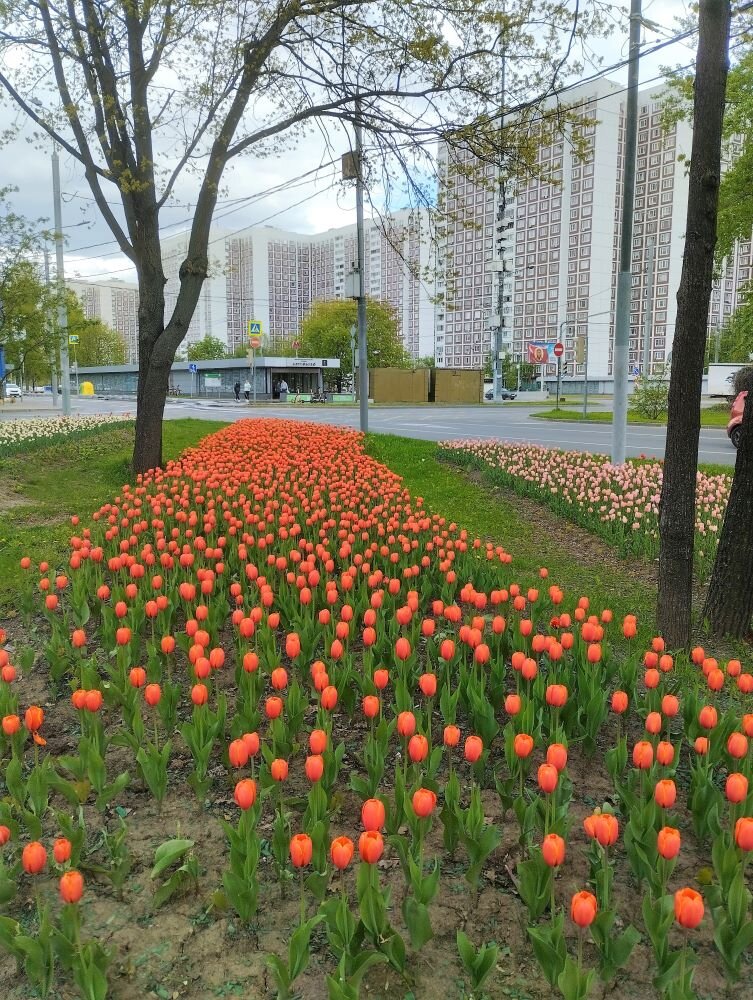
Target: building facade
column 115, row 303
column 548, row 250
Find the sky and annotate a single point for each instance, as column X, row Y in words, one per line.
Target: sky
column 313, row 205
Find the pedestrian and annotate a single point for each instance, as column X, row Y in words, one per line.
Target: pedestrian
column 237, row 390
column 283, row 388
column 276, row 390
column 247, row 390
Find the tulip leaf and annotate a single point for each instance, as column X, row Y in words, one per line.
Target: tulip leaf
column 417, row 920
column 168, row 853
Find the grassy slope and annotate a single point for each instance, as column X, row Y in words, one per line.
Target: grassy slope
column 487, row 515
column 39, row 492
column 710, row 417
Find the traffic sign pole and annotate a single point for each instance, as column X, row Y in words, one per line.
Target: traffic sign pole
column 559, row 350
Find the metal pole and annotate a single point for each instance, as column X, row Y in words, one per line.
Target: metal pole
column 648, row 316
column 53, row 360
column 497, row 368
column 65, row 373
column 585, row 377
column 253, row 373
column 559, row 381
column 717, row 343
column 622, row 310
column 363, row 364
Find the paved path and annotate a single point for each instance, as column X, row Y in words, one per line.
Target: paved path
column 433, row 423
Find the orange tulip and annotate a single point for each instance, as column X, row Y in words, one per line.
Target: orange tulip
column 688, row 908
column 152, row 695
column 314, row 767
column 33, row 718
column 473, row 748
column 71, row 887
column 238, row 753
column 61, row 850
column 553, row 850
column 556, row 695
column 606, row 829
column 451, row 736
column 373, row 814
column 370, row 705
column 556, row 755
column 406, row 724
column 583, row 907
column 317, row 741
column 708, row 717
column 736, row 787
column 245, row 793
column 428, row 684
column 4, row 835
column 329, row 697
column 512, row 704
column 279, row 769
column 424, row 801
column 619, row 702
column 341, row 852
column 548, row 776
column 370, row 846
column 301, row 850
column 665, row 793
column 665, row 753
column 668, row 842
column 418, row 748
column 522, row 745
column 737, row 746
column 643, row 755
column 33, row 858
column 381, row 679
column 744, row 833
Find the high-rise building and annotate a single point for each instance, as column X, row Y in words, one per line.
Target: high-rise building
column 554, row 244
column 114, row 302
column 274, row 276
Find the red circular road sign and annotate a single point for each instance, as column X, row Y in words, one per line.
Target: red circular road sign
column 296, row 344
column 254, row 341
column 559, row 350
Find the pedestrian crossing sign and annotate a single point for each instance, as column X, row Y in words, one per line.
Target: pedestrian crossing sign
column 254, row 327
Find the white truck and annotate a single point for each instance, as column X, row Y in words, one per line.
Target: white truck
column 720, row 378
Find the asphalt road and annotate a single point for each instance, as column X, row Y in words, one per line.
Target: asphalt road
column 440, row 423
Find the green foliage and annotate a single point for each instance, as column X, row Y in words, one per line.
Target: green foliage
column 208, row 349
column 735, row 339
column 650, row 396
column 325, row 333
column 98, row 344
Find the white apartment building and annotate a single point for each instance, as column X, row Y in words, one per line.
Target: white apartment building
column 114, row 302
column 210, row 316
column 274, row 275
column 555, row 244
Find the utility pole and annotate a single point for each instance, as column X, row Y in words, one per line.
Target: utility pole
column 648, row 315
column 363, row 364
column 53, row 359
column 622, row 310
column 501, row 229
column 62, row 308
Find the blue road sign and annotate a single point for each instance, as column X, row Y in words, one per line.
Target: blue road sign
column 193, row 368
column 636, row 370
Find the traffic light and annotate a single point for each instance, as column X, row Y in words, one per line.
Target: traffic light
column 580, row 349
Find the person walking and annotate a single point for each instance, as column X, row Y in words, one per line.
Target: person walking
column 237, row 390
column 283, row 390
column 247, row 390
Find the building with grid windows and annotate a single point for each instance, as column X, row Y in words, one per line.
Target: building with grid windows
column 115, row 303
column 549, row 252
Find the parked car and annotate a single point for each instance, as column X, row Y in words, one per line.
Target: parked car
column 11, row 389
column 39, row 390
column 734, row 427
column 503, row 394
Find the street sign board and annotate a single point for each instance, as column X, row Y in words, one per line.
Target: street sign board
column 296, row 344
column 636, row 370
column 193, row 368
column 73, row 338
column 254, row 327
column 559, row 350
column 255, row 342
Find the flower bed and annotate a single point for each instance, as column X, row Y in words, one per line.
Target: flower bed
column 25, row 435
column 319, row 740
column 618, row 503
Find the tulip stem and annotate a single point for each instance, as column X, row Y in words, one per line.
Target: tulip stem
column 580, row 951
column 303, row 897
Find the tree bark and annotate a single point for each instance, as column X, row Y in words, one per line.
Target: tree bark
column 729, row 602
column 677, row 506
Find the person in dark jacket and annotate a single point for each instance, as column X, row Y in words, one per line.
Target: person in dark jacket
column 237, row 390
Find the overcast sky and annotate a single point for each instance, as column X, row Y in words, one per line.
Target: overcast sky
column 322, row 205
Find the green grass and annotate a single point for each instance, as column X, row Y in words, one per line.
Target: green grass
column 492, row 515
column 40, row 493
column 712, row 416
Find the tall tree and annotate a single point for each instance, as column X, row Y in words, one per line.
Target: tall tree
column 150, row 89
column 208, row 349
column 25, row 332
column 325, row 333
column 729, row 601
column 677, row 505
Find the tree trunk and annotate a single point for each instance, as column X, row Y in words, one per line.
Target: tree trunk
column 729, row 602
column 152, row 393
column 677, row 506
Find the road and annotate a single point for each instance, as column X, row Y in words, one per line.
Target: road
column 439, row 423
